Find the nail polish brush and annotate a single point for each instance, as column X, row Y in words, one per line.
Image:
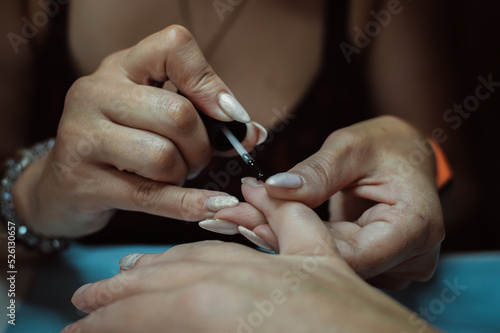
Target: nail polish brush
column 224, row 136
column 243, row 152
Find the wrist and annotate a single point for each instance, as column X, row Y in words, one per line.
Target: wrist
column 20, row 177
column 25, row 197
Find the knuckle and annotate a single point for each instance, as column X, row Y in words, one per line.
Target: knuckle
column 112, row 58
column 163, row 155
column 176, row 36
column 202, row 79
column 181, row 114
column 321, row 169
column 350, row 139
column 189, row 205
column 80, row 89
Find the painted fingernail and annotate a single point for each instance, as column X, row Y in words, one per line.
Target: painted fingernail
column 251, row 181
column 285, row 179
column 219, row 226
column 220, row 202
column 81, row 289
column 254, row 238
column 262, row 133
column 233, row 108
column 194, row 174
column 129, row 261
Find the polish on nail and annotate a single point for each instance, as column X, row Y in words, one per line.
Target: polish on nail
column 129, row 261
column 219, row 202
column 81, row 289
column 254, row 238
column 220, row 226
column 262, row 133
column 285, row 179
column 233, row 108
column 251, row 182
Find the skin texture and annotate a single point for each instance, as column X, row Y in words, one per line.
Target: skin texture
column 385, row 215
column 214, row 286
column 125, row 143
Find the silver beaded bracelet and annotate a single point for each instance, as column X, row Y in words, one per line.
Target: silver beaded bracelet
column 12, row 170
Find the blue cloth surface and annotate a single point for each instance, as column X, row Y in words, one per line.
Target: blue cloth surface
column 463, row 296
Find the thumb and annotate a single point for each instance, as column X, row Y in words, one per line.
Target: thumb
column 343, row 159
column 298, row 229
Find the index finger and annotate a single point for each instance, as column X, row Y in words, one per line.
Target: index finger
column 173, row 54
column 298, row 229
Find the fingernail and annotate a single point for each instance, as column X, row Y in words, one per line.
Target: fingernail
column 194, row 174
column 262, row 133
column 220, row 202
column 129, row 261
column 81, row 289
column 219, row 226
column 254, row 238
column 252, row 182
column 233, row 108
column 285, row 179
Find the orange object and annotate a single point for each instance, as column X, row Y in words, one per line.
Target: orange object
column 443, row 169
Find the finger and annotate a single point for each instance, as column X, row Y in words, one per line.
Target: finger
column 344, row 158
column 164, row 113
column 419, row 268
column 150, row 278
column 298, row 229
column 112, row 317
column 130, row 192
column 384, row 237
column 143, row 153
column 173, row 54
column 244, row 215
column 172, row 305
column 206, row 251
column 345, row 207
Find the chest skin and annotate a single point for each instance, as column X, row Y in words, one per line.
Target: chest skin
column 268, row 56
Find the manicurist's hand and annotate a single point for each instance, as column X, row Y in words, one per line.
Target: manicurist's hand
column 224, row 287
column 125, row 143
column 385, row 214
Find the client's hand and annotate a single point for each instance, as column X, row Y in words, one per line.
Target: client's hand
column 125, row 143
column 223, row 287
column 385, row 214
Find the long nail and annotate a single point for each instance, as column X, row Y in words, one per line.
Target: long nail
column 220, row 202
column 129, row 261
column 219, row 226
column 262, row 133
column 285, row 179
column 233, row 108
column 81, row 289
column 254, row 238
column 252, row 182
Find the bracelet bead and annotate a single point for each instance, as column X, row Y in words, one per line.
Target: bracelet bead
column 12, row 170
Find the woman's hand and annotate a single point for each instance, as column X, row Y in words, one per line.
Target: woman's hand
column 224, row 287
column 385, row 214
column 125, row 143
